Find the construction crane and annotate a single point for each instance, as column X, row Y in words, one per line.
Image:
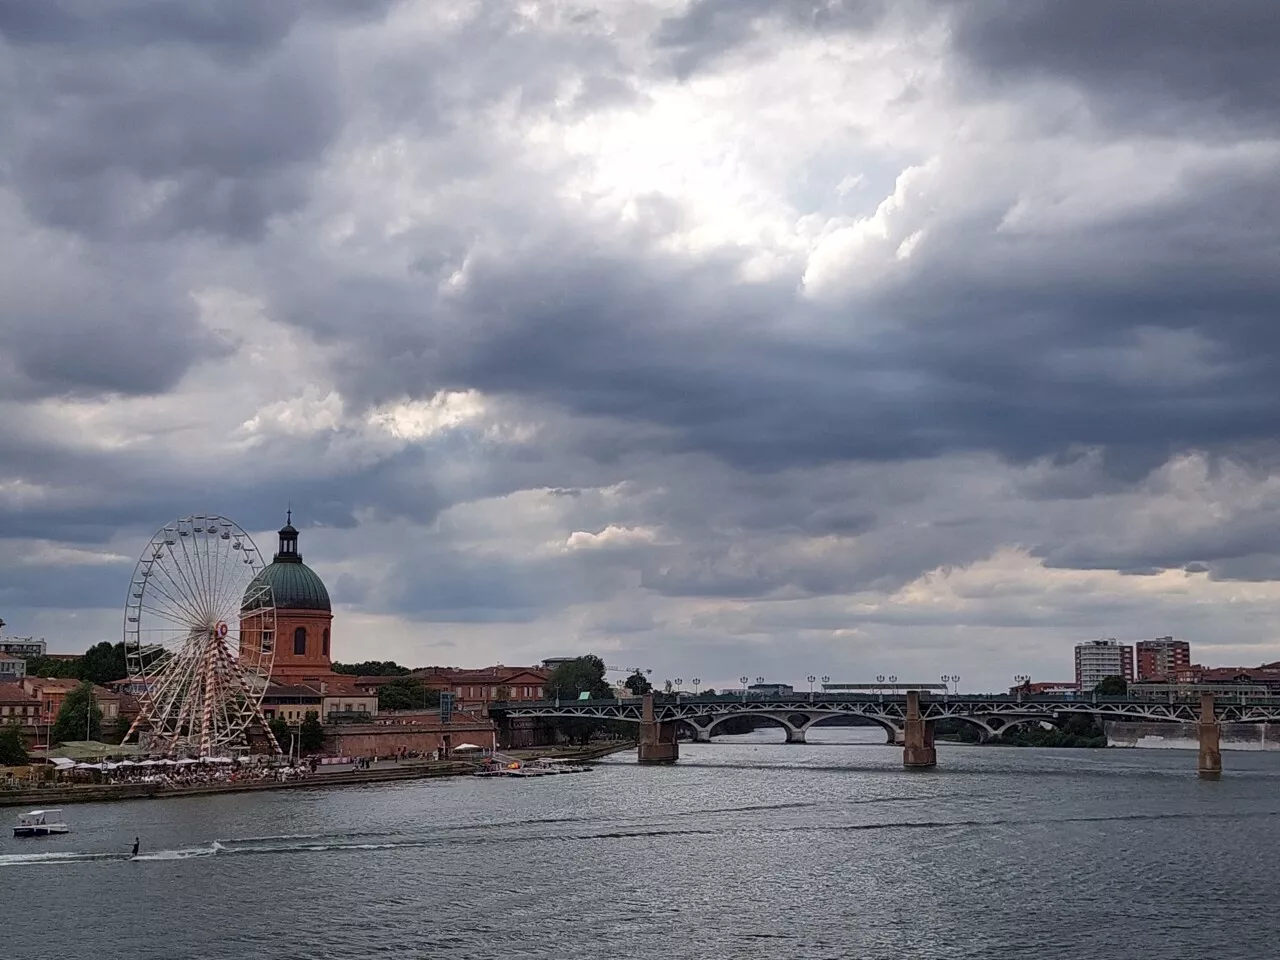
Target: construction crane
column 627, row 670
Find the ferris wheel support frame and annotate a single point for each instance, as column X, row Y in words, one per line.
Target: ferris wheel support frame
column 201, row 684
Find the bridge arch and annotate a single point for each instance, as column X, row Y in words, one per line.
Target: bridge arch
column 893, row 732
column 794, row 734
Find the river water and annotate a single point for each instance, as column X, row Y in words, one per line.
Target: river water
column 748, row 848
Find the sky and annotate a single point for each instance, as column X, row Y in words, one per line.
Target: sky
column 719, row 338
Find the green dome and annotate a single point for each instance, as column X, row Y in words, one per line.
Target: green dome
column 294, row 585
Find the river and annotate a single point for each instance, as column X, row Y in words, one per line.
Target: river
column 748, row 848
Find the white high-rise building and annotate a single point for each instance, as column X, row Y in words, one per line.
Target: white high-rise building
column 1098, row 659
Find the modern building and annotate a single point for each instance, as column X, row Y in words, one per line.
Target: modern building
column 1161, row 658
column 22, row 646
column 770, row 690
column 1098, row 659
column 304, row 615
column 12, row 668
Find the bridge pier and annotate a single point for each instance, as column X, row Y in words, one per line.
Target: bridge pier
column 701, row 735
column 1210, row 759
column 918, row 751
column 795, row 735
column 657, row 740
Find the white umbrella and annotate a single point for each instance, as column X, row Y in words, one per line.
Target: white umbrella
column 166, row 762
column 186, row 762
column 127, row 763
column 467, row 746
column 86, row 766
column 149, row 763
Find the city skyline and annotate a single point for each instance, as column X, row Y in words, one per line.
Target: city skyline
column 906, row 339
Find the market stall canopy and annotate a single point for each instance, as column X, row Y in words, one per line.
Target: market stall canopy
column 464, row 747
column 94, row 750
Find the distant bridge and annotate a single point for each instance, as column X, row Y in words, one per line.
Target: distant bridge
column 907, row 718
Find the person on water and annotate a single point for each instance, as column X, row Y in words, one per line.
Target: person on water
column 135, row 847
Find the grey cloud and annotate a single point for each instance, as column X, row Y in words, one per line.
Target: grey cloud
column 706, row 29
column 1142, row 64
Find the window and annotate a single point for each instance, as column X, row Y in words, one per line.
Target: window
column 326, row 641
column 300, row 642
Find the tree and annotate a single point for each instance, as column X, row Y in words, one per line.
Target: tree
column 311, row 736
column 575, row 677
column 578, row 676
column 1112, row 687
column 503, row 692
column 55, row 668
column 280, row 730
column 371, row 668
column 79, row 718
column 407, row 693
column 103, row 663
column 13, row 753
column 638, row 684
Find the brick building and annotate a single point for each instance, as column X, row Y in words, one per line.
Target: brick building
column 1161, row 658
column 475, row 689
column 304, row 616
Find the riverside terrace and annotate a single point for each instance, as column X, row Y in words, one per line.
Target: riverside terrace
column 907, row 718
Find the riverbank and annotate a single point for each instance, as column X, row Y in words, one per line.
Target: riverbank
column 59, row 795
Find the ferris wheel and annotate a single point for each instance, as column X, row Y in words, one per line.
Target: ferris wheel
column 199, row 637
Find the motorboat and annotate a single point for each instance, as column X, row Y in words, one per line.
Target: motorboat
column 40, row 823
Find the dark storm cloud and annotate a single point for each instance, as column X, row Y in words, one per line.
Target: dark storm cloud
column 146, row 119
column 1144, row 62
column 168, row 148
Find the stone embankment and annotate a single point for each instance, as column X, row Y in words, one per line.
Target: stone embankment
column 57, row 796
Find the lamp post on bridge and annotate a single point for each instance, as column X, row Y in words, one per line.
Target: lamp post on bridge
column 1023, row 680
column 744, row 680
column 696, row 681
column 952, row 678
column 811, row 679
column 679, row 683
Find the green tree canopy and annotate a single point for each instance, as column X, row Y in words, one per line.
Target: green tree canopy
column 311, row 735
column 371, row 668
column 575, row 677
column 80, row 717
column 407, row 693
column 578, row 676
column 638, row 684
column 49, row 667
column 280, row 730
column 103, row 663
column 1112, row 687
column 13, row 753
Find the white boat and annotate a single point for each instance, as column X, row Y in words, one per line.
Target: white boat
column 39, row 823
column 555, row 765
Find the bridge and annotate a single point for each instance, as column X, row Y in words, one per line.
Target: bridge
column 908, row 719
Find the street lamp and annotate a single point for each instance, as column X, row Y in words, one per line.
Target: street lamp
column 811, row 679
column 744, row 688
column 893, row 681
column 951, row 678
column 1023, row 680
column 696, row 681
column 679, row 683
